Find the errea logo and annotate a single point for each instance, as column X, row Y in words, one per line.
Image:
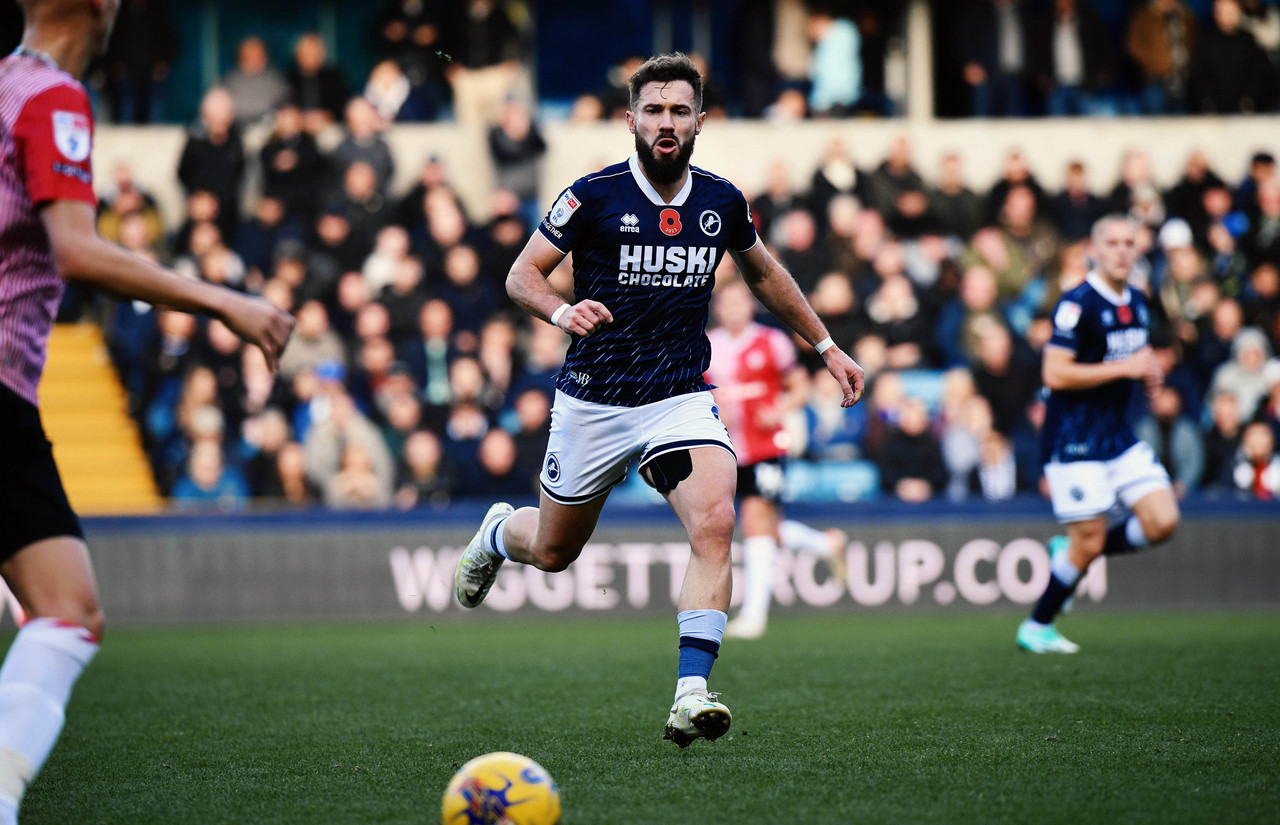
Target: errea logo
column 630, row 223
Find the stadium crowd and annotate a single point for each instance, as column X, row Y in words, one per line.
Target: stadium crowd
column 412, row 380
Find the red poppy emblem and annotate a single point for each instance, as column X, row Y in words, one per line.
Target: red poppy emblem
column 669, row 222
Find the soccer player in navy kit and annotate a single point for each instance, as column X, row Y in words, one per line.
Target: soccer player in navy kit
column 1096, row 360
column 646, row 236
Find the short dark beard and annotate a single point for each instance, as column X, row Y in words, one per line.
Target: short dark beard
column 664, row 170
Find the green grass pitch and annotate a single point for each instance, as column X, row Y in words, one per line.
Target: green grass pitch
column 849, row 718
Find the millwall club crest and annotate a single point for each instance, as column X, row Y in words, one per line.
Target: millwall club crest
column 710, row 223
column 564, row 208
column 71, row 134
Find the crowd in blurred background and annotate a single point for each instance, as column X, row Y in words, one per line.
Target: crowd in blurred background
column 413, row 381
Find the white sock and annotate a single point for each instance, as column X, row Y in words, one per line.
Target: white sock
column 796, row 535
column 42, row 665
column 494, row 539
column 690, row 684
column 1064, row 570
column 1133, row 532
column 760, row 553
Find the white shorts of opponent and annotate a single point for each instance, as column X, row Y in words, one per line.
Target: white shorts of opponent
column 591, row 444
column 1081, row 490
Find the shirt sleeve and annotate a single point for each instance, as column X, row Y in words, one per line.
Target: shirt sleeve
column 54, row 138
column 742, row 232
column 565, row 223
column 1066, row 324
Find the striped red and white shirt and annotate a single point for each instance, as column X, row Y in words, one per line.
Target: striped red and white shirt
column 46, row 134
column 748, row 372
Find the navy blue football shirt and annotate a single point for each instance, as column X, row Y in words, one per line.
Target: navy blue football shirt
column 1097, row 325
column 653, row 265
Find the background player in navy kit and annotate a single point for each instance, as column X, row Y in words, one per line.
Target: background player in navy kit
column 1096, row 360
column 646, row 237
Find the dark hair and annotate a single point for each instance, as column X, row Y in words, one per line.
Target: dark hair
column 665, row 68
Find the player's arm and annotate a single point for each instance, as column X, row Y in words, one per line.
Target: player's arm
column 1061, row 371
column 527, row 285
column 81, row 255
column 780, row 294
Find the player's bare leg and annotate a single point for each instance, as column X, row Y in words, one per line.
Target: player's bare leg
column 759, row 521
column 1085, row 542
column 53, row 581
column 704, row 504
column 550, row 537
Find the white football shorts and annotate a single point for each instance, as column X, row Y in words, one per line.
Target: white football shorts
column 1081, row 490
column 591, row 444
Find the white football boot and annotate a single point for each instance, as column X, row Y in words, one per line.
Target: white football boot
column 478, row 567
column 697, row 715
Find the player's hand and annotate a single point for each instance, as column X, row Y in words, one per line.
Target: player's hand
column 1142, row 366
column 584, row 318
column 260, row 323
column 848, row 373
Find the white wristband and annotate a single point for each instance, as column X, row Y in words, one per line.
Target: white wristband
column 824, row 345
column 555, row 316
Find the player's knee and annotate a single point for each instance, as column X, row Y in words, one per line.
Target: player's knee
column 714, row 531
column 1160, row 526
column 554, row 558
column 82, row 611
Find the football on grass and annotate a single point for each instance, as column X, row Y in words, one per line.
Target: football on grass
column 501, row 789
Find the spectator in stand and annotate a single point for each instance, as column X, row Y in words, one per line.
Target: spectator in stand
column 842, row 215
column 1161, row 40
column 257, row 88
column 313, row 344
column 964, row 430
column 258, row 238
column 836, row 77
column 296, row 487
column 1221, row 442
column 263, row 436
column 832, row 432
column 357, row 485
column 894, row 177
column 1246, row 375
column 411, row 32
column 364, row 206
column 335, row 423
column 1260, row 302
column 1261, row 244
column 391, row 94
column 1073, row 60
column 139, row 55
column 993, row 43
column 532, row 427
column 543, row 357
column 497, row 356
column 498, row 471
column 403, row 298
column 487, row 49
column 1232, row 74
column 362, row 141
column 1215, row 336
column 798, row 248
column 390, row 249
column 316, row 86
column 443, row 226
column 471, row 296
column 293, row 167
column 1016, row 172
column 1004, row 376
column 465, row 424
column 334, row 240
column 213, row 157
column 911, row 464
column 428, row 353
column 992, row 249
column 516, row 147
column 954, row 205
column 126, row 198
column 1257, row 467
column 1035, row 239
column 1262, row 167
column 896, row 316
column 1186, row 198
column 836, row 304
column 1175, row 438
column 780, row 196
column 965, row 316
column 431, row 178
column 208, row 484
column 1075, row 208
column 423, row 478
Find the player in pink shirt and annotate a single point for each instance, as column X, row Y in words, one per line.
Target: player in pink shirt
column 751, row 367
column 48, row 236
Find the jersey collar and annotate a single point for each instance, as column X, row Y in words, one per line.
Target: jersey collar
column 23, row 51
column 1104, row 289
column 647, row 188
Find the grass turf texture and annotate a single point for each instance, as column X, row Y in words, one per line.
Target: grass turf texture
column 1160, row 719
